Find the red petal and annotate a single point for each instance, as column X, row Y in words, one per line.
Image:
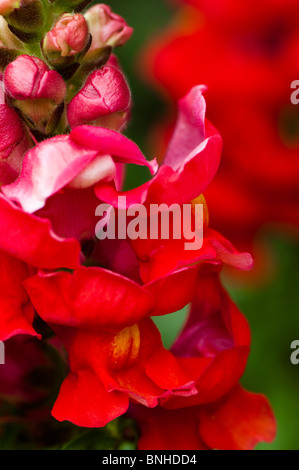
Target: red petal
column 32, row 240
column 174, row 291
column 16, row 311
column 84, row 401
column 237, row 422
column 89, row 298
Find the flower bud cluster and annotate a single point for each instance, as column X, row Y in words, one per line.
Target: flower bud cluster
column 53, row 60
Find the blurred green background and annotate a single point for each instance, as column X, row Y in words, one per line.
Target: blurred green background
column 271, row 308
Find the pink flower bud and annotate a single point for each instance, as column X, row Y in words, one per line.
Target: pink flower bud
column 34, row 89
column 104, row 100
column 30, row 78
column 68, row 37
column 106, row 28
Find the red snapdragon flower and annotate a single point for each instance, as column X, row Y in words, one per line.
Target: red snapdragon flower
column 116, row 352
column 110, row 352
column 221, row 415
column 116, row 358
column 102, row 316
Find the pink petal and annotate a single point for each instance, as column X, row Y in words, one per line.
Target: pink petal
column 47, row 168
column 190, row 127
column 109, row 142
column 84, row 401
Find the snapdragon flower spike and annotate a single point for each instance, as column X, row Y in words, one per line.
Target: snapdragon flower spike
column 105, row 100
column 107, row 29
column 67, row 41
column 36, row 91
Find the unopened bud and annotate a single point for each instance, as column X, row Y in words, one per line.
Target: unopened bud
column 107, row 30
column 69, row 37
column 104, row 101
column 66, row 44
column 35, row 90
